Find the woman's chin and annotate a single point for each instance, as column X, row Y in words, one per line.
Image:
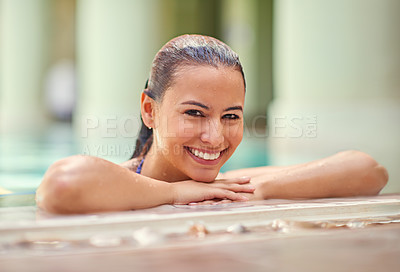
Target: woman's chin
column 205, row 177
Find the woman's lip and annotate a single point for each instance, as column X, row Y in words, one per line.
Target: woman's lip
column 205, row 162
column 211, row 151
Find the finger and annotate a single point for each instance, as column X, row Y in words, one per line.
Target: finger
column 226, row 194
column 237, row 188
column 239, row 180
column 204, row 202
column 224, row 201
column 207, row 202
column 248, row 188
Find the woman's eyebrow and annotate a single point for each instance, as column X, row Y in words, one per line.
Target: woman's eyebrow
column 234, row 108
column 191, row 102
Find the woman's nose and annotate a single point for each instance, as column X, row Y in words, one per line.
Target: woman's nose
column 212, row 133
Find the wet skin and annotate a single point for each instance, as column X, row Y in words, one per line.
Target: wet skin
column 197, row 125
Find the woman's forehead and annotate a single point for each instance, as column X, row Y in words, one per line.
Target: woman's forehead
column 213, row 84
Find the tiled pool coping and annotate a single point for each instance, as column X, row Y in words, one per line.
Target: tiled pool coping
column 28, row 234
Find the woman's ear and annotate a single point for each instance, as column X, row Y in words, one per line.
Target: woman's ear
column 147, row 108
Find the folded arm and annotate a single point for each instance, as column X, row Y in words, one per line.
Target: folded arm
column 83, row 184
column 348, row 173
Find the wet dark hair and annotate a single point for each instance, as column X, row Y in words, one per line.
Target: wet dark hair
column 185, row 50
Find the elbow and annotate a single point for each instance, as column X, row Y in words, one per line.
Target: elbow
column 58, row 192
column 373, row 176
column 377, row 178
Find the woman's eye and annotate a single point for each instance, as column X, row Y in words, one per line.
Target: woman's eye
column 231, row 116
column 194, row 113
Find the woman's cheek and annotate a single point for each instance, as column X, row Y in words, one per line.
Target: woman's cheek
column 235, row 132
column 187, row 128
column 167, row 127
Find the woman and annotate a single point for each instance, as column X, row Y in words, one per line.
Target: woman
column 192, row 113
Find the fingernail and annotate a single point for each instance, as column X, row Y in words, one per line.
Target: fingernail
column 245, row 178
column 251, row 187
column 244, row 198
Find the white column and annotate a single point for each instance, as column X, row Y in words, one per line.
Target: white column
column 239, row 32
column 22, row 62
column 117, row 41
column 337, row 83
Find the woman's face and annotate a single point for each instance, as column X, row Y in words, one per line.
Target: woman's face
column 199, row 122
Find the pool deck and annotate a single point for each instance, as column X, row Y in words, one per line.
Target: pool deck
column 337, row 234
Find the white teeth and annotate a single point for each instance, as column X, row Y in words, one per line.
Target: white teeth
column 205, row 156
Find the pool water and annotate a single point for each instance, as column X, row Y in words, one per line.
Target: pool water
column 24, row 158
column 342, row 234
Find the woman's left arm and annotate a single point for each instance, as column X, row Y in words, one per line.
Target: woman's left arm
column 348, row 173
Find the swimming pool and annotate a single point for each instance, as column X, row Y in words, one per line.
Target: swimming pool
column 283, row 235
column 342, row 234
column 24, row 158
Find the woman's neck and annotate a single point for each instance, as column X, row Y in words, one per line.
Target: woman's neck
column 155, row 166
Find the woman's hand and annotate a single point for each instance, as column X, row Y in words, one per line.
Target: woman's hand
column 345, row 174
column 219, row 191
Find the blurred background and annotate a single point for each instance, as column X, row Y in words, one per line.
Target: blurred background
column 322, row 76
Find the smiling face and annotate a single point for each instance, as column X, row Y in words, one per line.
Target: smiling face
column 198, row 124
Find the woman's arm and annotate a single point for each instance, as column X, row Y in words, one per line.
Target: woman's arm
column 348, row 173
column 82, row 184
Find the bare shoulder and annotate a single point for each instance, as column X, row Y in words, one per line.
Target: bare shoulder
column 131, row 164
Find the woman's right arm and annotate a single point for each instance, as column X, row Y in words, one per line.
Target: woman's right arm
column 84, row 184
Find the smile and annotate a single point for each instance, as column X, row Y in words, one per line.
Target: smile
column 208, row 156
